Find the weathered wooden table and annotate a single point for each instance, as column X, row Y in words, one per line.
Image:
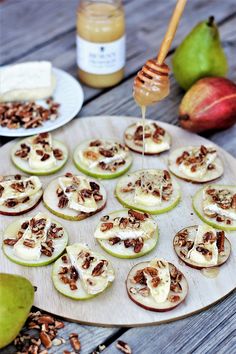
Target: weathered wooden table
column 35, row 30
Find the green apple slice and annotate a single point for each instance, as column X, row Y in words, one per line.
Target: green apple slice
column 181, row 248
column 209, row 176
column 22, row 207
column 50, row 200
column 146, row 301
column 23, row 164
column 198, row 208
column 77, row 294
column 128, row 201
column 59, row 245
column 155, row 149
column 118, row 249
column 96, row 171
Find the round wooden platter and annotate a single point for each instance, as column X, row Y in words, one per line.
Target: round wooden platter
column 113, row 307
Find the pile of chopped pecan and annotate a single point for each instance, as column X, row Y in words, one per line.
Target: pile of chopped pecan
column 196, row 158
column 41, row 333
column 14, row 115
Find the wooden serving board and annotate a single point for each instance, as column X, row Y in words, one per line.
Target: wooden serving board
column 113, row 307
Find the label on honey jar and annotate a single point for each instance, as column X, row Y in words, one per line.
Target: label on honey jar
column 100, row 58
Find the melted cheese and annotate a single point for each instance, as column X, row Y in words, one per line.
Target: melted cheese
column 146, row 231
column 9, row 193
column 120, row 155
column 210, row 207
column 28, row 253
column 201, row 168
column 161, row 292
column 143, row 195
column 88, row 205
column 92, row 284
column 198, row 257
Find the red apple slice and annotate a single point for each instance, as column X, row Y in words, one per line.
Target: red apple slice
column 156, row 148
column 138, row 294
column 21, row 208
column 210, row 175
column 185, row 238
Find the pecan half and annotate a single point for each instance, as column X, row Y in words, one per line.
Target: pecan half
column 137, row 214
column 58, row 154
column 106, row 226
column 139, row 278
column 114, row 240
column 74, row 341
column 98, row 269
column 29, row 243
column 95, row 143
column 45, row 339
column 63, row 202
column 220, row 241
column 174, row 298
column 123, row 347
column 10, row 241
column 138, row 245
column 233, row 203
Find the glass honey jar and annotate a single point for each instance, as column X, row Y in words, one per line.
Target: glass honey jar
column 100, row 42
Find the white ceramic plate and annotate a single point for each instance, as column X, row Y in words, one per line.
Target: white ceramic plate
column 68, row 93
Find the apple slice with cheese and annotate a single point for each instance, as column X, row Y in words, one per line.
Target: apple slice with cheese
column 215, row 204
column 196, row 164
column 35, row 241
column 127, row 233
column 153, row 191
column 74, row 197
column 102, row 158
column 156, row 285
column 19, row 194
column 156, row 140
column 201, row 246
column 82, row 273
column 39, row 154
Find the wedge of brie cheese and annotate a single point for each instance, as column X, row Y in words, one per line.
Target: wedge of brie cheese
column 85, row 205
column 25, row 81
column 197, row 256
column 161, row 291
column 30, row 185
column 91, row 283
column 32, row 253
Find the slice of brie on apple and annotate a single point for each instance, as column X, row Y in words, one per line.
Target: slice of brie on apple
column 201, row 167
column 150, row 182
column 91, row 282
column 86, row 205
column 146, row 230
column 150, row 145
column 119, row 154
column 161, row 291
column 35, row 159
column 198, row 257
column 210, row 207
column 30, row 186
column 33, row 252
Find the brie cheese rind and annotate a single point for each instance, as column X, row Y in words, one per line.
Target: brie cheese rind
column 30, row 186
column 212, row 207
column 156, row 138
column 86, row 205
column 198, row 257
column 32, row 253
column 26, row 81
column 92, row 283
column 146, row 230
column 119, row 153
column 161, row 291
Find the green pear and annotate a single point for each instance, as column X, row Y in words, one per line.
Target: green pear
column 16, row 299
column 199, row 55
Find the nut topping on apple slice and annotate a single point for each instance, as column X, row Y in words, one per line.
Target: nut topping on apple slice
column 156, row 285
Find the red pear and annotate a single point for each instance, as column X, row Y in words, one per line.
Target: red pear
column 210, row 104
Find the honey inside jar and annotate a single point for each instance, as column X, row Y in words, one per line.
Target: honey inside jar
column 100, row 42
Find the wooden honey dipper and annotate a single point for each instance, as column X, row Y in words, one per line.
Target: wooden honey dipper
column 152, row 82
